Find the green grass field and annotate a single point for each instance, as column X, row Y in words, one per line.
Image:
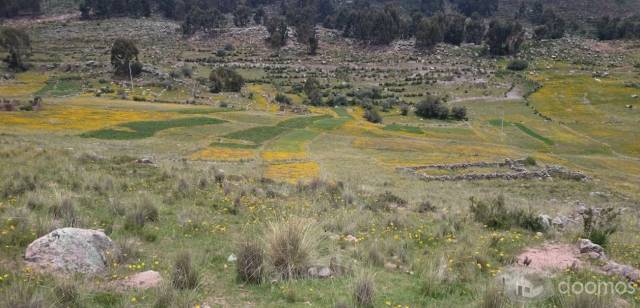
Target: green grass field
column 141, row 130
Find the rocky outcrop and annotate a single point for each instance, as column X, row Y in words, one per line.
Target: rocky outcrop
column 70, row 251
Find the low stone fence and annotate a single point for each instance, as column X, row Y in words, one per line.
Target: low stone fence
column 516, row 166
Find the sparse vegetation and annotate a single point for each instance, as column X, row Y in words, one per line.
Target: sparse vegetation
column 184, row 275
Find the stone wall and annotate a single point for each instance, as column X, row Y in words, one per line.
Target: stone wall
column 518, row 171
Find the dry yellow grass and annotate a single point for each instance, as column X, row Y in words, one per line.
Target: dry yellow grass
column 223, row 154
column 25, row 84
column 57, row 118
column 260, row 93
column 293, row 172
column 273, row 156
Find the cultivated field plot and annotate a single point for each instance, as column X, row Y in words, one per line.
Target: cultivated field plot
column 182, row 176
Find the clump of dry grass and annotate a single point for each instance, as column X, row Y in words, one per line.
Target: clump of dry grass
column 494, row 298
column 127, row 251
column 250, row 262
column 375, row 255
column 134, row 221
column 65, row 211
column 23, row 293
column 184, row 275
column 585, row 300
column 292, row 247
column 143, row 212
column 165, row 297
column 66, row 293
column 364, row 290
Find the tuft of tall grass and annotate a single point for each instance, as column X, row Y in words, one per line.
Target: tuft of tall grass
column 250, row 262
column 184, row 274
column 494, row 298
column 364, row 290
column 292, row 247
column 495, row 214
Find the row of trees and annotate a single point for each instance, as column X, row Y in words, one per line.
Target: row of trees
column 110, row 8
column 618, row 28
column 18, row 46
column 12, row 8
column 502, row 37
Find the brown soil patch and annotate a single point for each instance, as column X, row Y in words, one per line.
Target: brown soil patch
column 551, row 257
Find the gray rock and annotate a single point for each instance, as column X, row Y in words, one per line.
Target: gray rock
column 71, row 250
column 560, row 222
column 312, row 272
column 545, row 220
column 324, row 272
column 594, row 251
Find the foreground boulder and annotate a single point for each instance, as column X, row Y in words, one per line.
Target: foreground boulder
column 71, row 250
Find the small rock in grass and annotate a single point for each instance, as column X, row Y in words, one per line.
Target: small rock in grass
column 390, row 266
column 141, row 281
column 232, row 258
column 312, row 272
column 324, row 272
column 350, row 238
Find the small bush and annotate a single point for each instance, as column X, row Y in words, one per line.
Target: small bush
column 387, row 202
column 291, row 247
column 283, row 99
column 530, row 161
column 600, row 224
column 404, row 110
column 184, row 275
column 250, row 262
column 432, row 108
column 518, row 65
column 372, row 116
column 364, row 291
column 494, row 214
column 459, row 113
column 426, row 207
column 225, row 79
